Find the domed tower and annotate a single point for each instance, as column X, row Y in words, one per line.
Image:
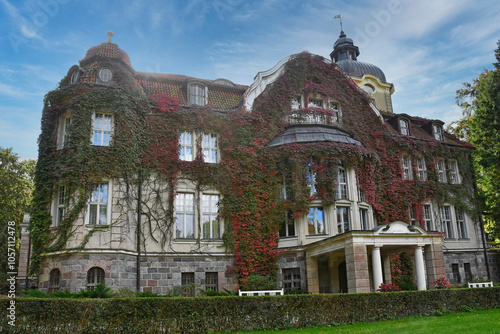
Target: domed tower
column 367, row 76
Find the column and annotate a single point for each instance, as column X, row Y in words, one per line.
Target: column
column 24, row 250
column 377, row 268
column 358, row 276
column 420, row 268
column 386, row 260
column 435, row 262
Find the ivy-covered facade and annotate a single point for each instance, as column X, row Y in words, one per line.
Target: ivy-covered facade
column 155, row 181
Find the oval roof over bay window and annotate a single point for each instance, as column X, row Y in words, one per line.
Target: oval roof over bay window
column 312, row 133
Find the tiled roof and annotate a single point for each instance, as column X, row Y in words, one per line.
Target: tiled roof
column 109, row 50
column 220, row 100
column 155, row 87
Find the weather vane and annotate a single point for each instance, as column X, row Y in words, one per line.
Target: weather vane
column 340, row 18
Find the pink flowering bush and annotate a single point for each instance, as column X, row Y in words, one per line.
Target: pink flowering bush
column 441, row 283
column 388, row 288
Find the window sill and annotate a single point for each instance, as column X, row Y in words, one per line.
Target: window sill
column 292, row 237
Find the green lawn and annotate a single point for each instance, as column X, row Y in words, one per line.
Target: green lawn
column 459, row 323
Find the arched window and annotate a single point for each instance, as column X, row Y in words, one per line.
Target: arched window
column 95, row 275
column 54, row 277
column 74, row 77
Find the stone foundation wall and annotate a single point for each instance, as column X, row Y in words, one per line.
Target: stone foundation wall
column 159, row 274
column 289, row 261
column 474, row 259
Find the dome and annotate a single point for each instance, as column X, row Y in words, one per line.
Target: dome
column 358, row 69
column 107, row 50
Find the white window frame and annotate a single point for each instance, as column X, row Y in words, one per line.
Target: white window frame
column 105, row 74
column 343, row 226
column 404, row 126
column 296, row 103
column 407, row 170
column 64, row 126
column 102, row 136
column 288, row 222
column 210, row 148
column 312, row 177
column 447, row 221
column 342, row 183
column 185, row 207
column 99, row 203
column 421, row 169
column 210, row 216
column 412, row 216
column 438, row 132
column 95, row 276
column 316, row 103
column 461, row 224
column 319, row 225
column 427, row 208
column 186, row 146
column 337, row 112
column 60, row 205
column 197, row 94
column 454, row 173
column 441, row 170
column 364, row 219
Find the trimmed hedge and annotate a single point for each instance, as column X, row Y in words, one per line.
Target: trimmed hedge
column 219, row 314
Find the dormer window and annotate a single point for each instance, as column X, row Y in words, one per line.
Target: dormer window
column 197, row 95
column 105, row 75
column 404, row 127
column 369, row 88
column 438, row 132
column 74, row 77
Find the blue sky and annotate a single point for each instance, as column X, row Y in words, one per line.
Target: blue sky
column 426, row 48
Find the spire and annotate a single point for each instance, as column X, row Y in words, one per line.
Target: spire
column 344, row 48
column 110, row 36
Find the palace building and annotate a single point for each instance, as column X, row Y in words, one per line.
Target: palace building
column 155, row 181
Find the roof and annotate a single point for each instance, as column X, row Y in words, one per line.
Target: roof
column 359, row 68
column 312, row 133
column 108, row 50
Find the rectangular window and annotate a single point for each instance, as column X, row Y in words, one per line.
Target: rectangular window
column 441, row 171
column 342, row 192
column 286, row 189
column 212, row 281
column 288, row 225
column 316, row 221
column 296, row 103
column 103, row 126
column 184, row 215
column 461, row 228
column 65, row 130
column 335, row 108
column 343, row 224
column 311, row 177
column 446, row 221
column 186, row 146
column 210, row 214
column 454, row 175
column 315, row 103
column 291, row 279
column 197, row 95
column 421, row 169
column 411, row 215
column 428, row 217
column 62, row 205
column 407, row 173
column 210, row 148
column 468, row 272
column 187, row 284
column 98, row 204
column 363, row 216
column 456, row 272
column 438, row 132
column 404, row 127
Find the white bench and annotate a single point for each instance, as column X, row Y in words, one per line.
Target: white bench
column 262, row 293
column 480, row 285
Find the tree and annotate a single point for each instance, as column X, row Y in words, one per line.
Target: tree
column 16, row 187
column 480, row 126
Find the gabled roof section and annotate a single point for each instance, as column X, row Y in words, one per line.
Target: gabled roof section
column 223, row 94
column 421, row 128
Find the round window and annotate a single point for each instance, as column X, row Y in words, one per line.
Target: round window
column 369, row 88
column 105, row 74
column 74, row 77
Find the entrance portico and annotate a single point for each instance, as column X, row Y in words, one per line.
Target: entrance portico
column 359, row 261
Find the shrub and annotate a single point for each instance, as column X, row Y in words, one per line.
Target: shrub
column 257, row 282
column 388, row 288
column 441, row 283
